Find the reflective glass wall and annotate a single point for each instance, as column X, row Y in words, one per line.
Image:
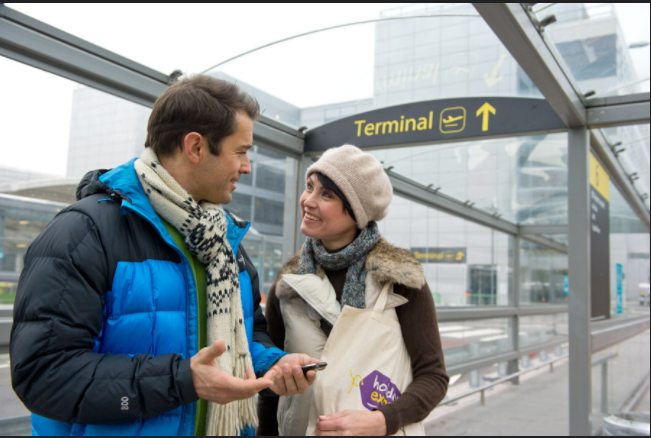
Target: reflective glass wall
column 465, row 264
column 629, row 259
column 543, row 275
column 21, row 220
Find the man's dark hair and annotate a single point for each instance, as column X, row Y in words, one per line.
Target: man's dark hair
column 200, row 104
column 329, row 184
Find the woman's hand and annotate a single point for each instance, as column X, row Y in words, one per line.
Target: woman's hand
column 352, row 423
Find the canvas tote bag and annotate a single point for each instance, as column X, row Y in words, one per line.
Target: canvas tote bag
column 368, row 364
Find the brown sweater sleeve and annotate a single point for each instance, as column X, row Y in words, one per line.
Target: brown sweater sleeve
column 421, row 334
column 268, row 406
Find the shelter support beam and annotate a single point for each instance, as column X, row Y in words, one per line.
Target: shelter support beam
column 513, row 366
column 619, row 115
column 513, row 26
column 580, row 339
column 421, row 194
column 543, row 229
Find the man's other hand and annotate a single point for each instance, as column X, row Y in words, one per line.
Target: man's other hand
column 215, row 385
column 289, row 379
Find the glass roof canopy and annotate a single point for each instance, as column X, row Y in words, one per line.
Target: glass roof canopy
column 604, row 47
column 423, row 52
column 427, row 52
column 409, row 54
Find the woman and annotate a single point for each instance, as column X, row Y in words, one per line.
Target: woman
column 346, row 264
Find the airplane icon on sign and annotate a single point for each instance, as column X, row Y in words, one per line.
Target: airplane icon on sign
column 451, row 119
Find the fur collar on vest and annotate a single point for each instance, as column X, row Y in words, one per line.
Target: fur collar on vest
column 386, row 262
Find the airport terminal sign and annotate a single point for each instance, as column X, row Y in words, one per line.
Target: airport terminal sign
column 599, row 240
column 437, row 121
column 440, row 255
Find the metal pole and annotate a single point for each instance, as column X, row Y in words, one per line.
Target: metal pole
column 513, row 366
column 303, row 164
column 291, row 205
column 2, row 236
column 580, row 368
column 604, row 387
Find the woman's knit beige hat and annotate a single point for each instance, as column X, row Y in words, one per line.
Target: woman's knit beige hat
column 361, row 177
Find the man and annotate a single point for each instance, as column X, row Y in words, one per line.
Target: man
column 122, row 289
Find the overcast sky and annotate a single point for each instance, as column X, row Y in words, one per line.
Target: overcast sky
column 35, row 106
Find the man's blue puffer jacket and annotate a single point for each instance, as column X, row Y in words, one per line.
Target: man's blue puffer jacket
column 105, row 319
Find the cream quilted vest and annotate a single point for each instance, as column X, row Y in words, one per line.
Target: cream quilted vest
column 306, row 299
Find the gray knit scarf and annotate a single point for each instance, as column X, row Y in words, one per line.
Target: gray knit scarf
column 352, row 257
column 204, row 229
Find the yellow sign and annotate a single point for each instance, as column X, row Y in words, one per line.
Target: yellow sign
column 485, row 110
column 452, row 120
column 599, row 178
column 394, row 126
column 440, row 255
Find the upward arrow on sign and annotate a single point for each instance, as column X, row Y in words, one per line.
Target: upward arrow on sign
column 485, row 109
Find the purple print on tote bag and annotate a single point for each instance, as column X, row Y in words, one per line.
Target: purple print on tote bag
column 377, row 390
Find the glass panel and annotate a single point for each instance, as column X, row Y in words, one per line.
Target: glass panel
column 105, row 131
column 273, row 262
column 269, row 212
column 605, row 46
column 271, row 178
column 253, row 245
column 21, row 220
column 467, row 340
column 451, row 53
column 560, row 238
column 42, row 97
column 543, row 275
column 616, row 379
column 523, row 179
column 629, row 259
column 212, row 26
column 542, row 328
column 465, row 264
column 633, row 147
column 241, row 206
column 82, row 129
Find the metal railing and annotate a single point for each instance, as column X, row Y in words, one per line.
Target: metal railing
column 508, row 378
column 601, row 360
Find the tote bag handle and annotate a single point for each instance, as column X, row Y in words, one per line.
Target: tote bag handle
column 381, row 302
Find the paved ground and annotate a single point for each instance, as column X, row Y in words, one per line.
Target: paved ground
column 10, row 405
column 538, row 406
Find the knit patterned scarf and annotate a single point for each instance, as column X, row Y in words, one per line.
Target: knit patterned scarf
column 352, row 257
column 204, row 230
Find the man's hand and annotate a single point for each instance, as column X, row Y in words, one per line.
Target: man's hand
column 352, row 423
column 289, row 379
column 215, row 385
